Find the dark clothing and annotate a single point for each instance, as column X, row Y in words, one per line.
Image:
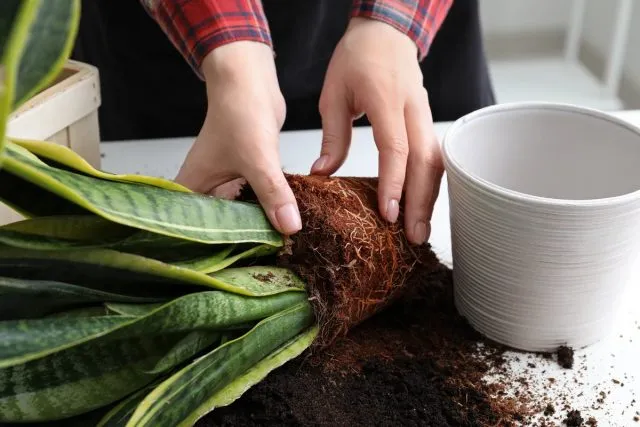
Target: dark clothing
column 150, row 91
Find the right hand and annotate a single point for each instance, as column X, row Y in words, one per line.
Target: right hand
column 240, row 135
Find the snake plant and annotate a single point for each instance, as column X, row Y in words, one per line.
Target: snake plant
column 125, row 294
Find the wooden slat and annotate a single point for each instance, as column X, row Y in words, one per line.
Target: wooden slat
column 84, row 138
column 59, row 106
column 61, row 137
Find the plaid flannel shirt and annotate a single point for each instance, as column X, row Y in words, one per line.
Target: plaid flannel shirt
column 196, row 27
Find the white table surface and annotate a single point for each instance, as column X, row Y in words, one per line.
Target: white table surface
column 596, row 367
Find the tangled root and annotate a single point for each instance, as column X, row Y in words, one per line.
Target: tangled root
column 353, row 261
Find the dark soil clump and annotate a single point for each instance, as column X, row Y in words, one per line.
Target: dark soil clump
column 574, row 419
column 417, row 363
column 549, row 410
column 565, row 357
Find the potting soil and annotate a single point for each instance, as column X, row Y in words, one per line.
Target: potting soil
column 415, row 363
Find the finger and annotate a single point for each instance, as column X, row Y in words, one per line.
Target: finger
column 337, row 122
column 424, row 170
column 390, row 135
column 274, row 194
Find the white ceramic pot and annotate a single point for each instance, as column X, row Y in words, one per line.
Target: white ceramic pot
column 545, row 221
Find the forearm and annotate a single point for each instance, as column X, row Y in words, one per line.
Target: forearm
column 196, row 27
column 418, row 19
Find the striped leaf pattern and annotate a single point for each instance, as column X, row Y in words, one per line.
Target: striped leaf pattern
column 122, row 296
column 79, row 379
column 25, row 340
column 236, row 388
column 189, row 388
column 62, row 157
column 65, row 232
column 23, row 299
column 187, row 216
column 139, row 276
column 187, row 348
column 120, row 414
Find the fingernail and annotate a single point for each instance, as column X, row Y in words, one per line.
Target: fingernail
column 420, row 232
column 289, row 218
column 319, row 164
column 393, row 209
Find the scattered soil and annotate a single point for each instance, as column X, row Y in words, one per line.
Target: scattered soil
column 415, row 363
column 574, row 419
column 565, row 357
column 549, row 410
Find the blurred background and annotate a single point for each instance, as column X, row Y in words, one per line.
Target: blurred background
column 576, row 51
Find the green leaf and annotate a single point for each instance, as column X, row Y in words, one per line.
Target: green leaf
column 9, row 10
column 120, row 414
column 254, row 375
column 25, row 340
column 38, row 338
column 36, row 38
column 130, row 274
column 221, row 260
column 132, row 310
column 260, row 278
column 15, row 18
column 200, row 259
column 91, row 311
column 48, row 46
column 175, row 401
column 64, row 232
column 22, row 299
column 80, row 379
column 188, row 216
column 62, row 157
column 185, row 349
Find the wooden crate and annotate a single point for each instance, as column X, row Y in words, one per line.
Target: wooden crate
column 66, row 112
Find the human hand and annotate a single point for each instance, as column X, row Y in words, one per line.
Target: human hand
column 374, row 71
column 240, row 134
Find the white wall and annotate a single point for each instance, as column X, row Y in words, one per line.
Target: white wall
column 524, row 16
column 506, row 17
column 633, row 49
column 599, row 29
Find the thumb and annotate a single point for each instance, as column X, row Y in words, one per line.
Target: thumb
column 275, row 196
column 337, row 122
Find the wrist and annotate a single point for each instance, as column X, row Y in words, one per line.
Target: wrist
column 381, row 29
column 237, row 59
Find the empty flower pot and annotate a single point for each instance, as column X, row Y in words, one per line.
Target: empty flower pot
column 545, row 221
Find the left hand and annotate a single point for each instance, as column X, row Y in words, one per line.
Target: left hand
column 375, row 71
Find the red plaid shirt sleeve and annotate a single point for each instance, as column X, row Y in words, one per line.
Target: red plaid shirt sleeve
column 418, row 19
column 196, row 27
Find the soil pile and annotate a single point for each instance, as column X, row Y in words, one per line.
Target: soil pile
column 415, row 363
